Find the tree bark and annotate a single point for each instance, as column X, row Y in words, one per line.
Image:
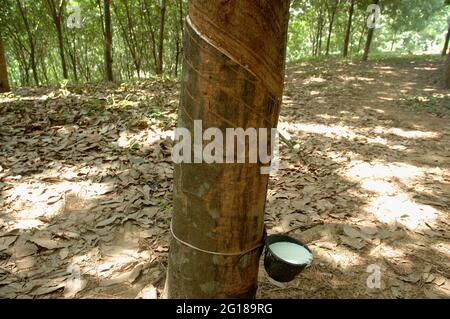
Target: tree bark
column 447, row 40
column 319, row 33
column 4, row 83
column 447, row 71
column 319, row 48
column 369, row 40
column 44, row 71
column 361, row 38
column 330, row 26
column 233, row 73
column 129, row 36
column 349, row 29
column 61, row 47
column 31, row 42
column 18, row 49
column 178, row 41
column 313, row 42
column 56, row 14
column 108, row 41
column 159, row 66
column 73, row 57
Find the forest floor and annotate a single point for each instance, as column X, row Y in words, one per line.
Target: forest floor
column 86, row 184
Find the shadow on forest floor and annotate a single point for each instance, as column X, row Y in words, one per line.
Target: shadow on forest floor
column 370, row 162
column 85, row 184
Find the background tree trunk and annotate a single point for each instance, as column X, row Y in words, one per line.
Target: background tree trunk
column 58, row 25
column 4, row 84
column 108, row 41
column 368, row 43
column 129, row 35
column 56, row 14
column 31, row 42
column 361, row 37
column 330, row 25
column 447, row 70
column 349, row 29
column 178, row 43
column 72, row 51
column 149, row 23
column 320, row 23
column 159, row 66
column 447, row 39
column 220, row 207
column 369, row 40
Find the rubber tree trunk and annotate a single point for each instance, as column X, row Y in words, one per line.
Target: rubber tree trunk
column 447, row 71
column 349, row 29
column 369, row 40
column 58, row 24
column 108, row 41
column 178, row 41
column 4, row 84
column 162, row 23
column 56, row 12
column 233, row 71
column 330, row 26
column 447, row 40
column 73, row 58
column 31, row 41
column 319, row 33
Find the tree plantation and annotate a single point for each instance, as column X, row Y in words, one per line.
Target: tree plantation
column 210, row 149
column 50, row 41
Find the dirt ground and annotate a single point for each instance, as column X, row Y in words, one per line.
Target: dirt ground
column 364, row 179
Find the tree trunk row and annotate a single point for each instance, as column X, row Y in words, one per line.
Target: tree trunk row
column 330, row 25
column 108, row 41
column 369, row 39
column 4, row 84
column 447, row 40
column 348, row 29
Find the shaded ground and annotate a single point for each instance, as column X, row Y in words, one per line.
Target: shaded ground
column 85, row 184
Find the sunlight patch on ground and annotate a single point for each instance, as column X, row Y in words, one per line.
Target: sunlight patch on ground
column 406, row 134
column 378, row 140
column 378, row 186
column 388, row 202
column 425, row 68
column 4, row 100
column 384, row 98
column 333, row 131
column 356, row 78
column 288, row 101
column 402, row 209
column 376, row 110
column 339, row 256
column 383, row 67
column 327, row 116
column 443, row 248
column 32, row 203
column 387, row 251
column 145, row 138
column 314, row 80
column 359, row 170
column 25, row 224
column 330, row 131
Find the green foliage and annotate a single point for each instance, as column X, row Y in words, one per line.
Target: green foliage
column 407, row 27
column 135, row 35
